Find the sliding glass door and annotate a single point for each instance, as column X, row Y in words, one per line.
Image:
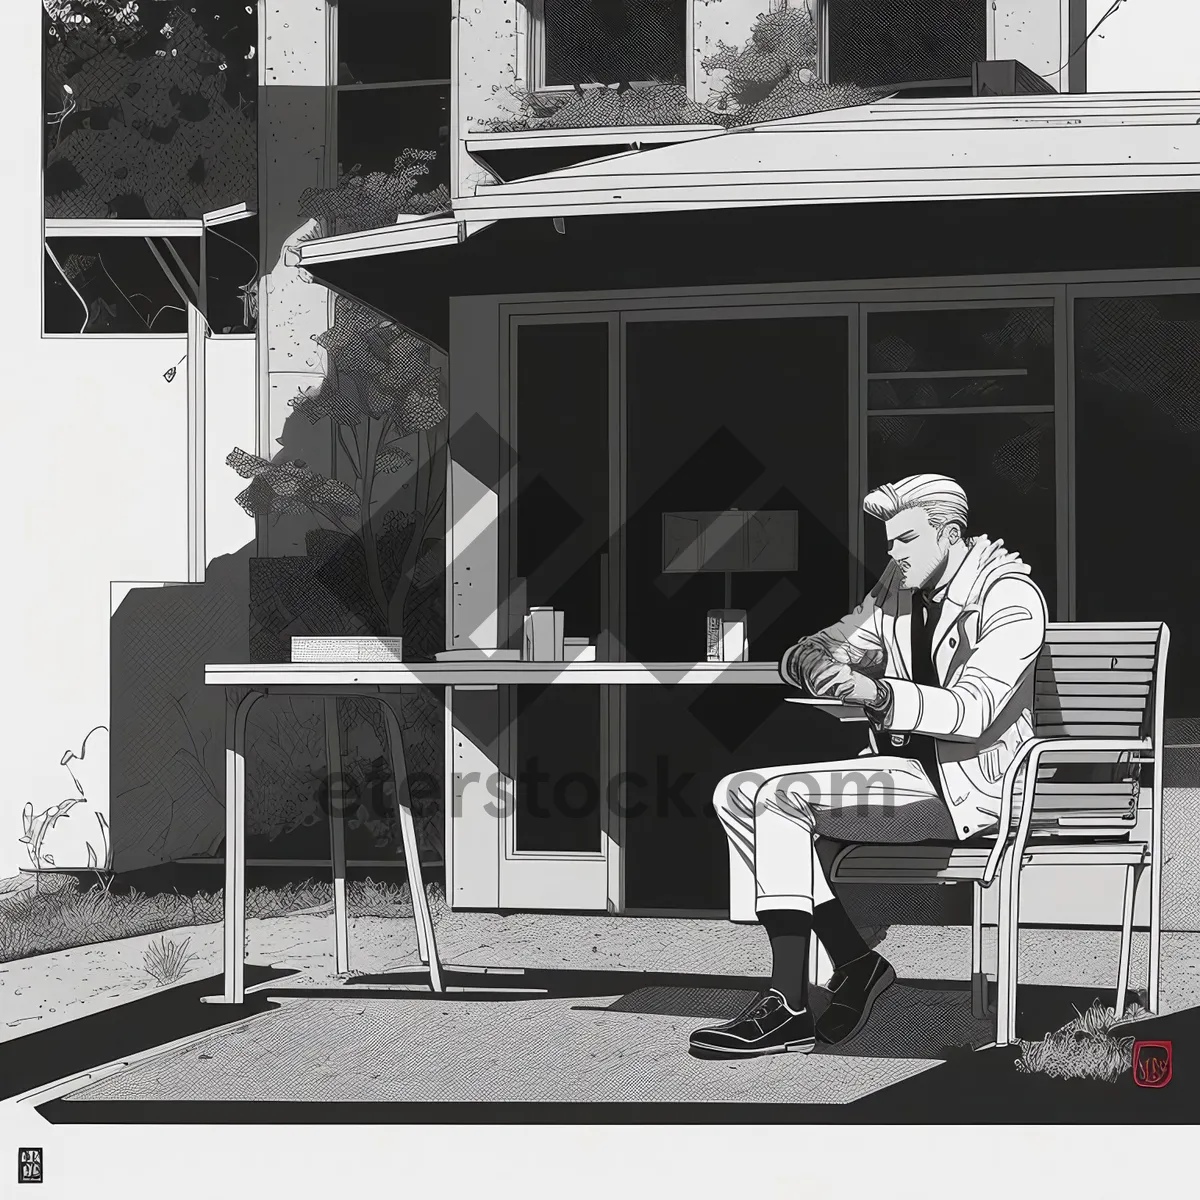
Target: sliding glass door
column 746, row 409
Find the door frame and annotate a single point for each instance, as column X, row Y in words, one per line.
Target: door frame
column 539, row 878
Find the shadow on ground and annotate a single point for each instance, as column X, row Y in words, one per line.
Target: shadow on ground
column 155, row 1020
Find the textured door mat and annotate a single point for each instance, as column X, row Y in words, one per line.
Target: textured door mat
column 909, row 1021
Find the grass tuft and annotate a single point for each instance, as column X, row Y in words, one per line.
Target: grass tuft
column 1090, row 1046
column 168, row 961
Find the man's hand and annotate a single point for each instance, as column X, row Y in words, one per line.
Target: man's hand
column 853, row 687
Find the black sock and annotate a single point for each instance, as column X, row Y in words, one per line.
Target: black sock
column 789, row 931
column 837, row 932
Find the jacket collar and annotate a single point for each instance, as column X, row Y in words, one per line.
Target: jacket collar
column 958, row 590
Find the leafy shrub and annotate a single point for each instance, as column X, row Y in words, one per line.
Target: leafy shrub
column 376, row 198
column 658, row 104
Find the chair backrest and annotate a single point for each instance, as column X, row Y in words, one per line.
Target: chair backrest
column 1098, row 680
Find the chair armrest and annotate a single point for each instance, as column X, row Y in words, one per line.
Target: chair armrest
column 1030, row 756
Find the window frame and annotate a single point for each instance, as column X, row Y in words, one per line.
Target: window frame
column 100, row 228
column 143, row 230
column 334, row 90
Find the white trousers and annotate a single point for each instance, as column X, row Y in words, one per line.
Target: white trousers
column 773, row 816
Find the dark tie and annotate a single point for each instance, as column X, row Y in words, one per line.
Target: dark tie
column 924, row 621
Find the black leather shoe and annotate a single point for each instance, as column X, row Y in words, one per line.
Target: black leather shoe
column 853, row 989
column 767, row 1026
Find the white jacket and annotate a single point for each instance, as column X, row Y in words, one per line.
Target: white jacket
column 985, row 650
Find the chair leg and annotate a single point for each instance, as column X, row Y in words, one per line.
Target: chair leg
column 1008, row 927
column 1155, row 935
column 979, row 996
column 426, row 942
column 337, row 836
column 234, row 940
column 1131, row 876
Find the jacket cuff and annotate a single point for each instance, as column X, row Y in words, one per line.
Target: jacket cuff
column 923, row 708
column 904, row 712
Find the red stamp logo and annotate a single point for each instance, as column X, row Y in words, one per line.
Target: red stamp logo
column 1152, row 1064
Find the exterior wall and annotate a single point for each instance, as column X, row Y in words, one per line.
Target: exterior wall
column 296, row 153
column 1150, row 47
column 102, row 495
column 487, row 61
column 228, row 422
column 1036, row 33
column 718, row 22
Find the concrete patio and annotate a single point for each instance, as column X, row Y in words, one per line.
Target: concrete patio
column 622, row 996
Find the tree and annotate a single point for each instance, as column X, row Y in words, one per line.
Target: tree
column 382, row 395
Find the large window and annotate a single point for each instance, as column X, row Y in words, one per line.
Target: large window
column 1137, row 488
column 114, row 285
column 579, row 42
column 969, row 392
column 393, row 98
column 150, row 143
column 114, row 278
column 903, row 41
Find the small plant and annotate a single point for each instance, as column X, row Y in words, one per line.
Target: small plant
column 1087, row 1047
column 101, row 866
column 36, row 828
column 168, row 961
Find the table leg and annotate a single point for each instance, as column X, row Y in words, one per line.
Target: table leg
column 337, row 835
column 426, row 942
column 235, row 848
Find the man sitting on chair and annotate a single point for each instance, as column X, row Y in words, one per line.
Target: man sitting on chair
column 941, row 654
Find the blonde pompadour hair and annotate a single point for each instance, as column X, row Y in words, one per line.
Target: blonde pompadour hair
column 942, row 498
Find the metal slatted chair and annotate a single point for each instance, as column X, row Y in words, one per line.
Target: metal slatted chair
column 1073, row 796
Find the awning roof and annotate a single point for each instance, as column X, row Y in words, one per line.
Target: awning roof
column 983, row 147
column 408, row 233
column 936, row 149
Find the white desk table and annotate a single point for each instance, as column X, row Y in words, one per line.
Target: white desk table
column 247, row 684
